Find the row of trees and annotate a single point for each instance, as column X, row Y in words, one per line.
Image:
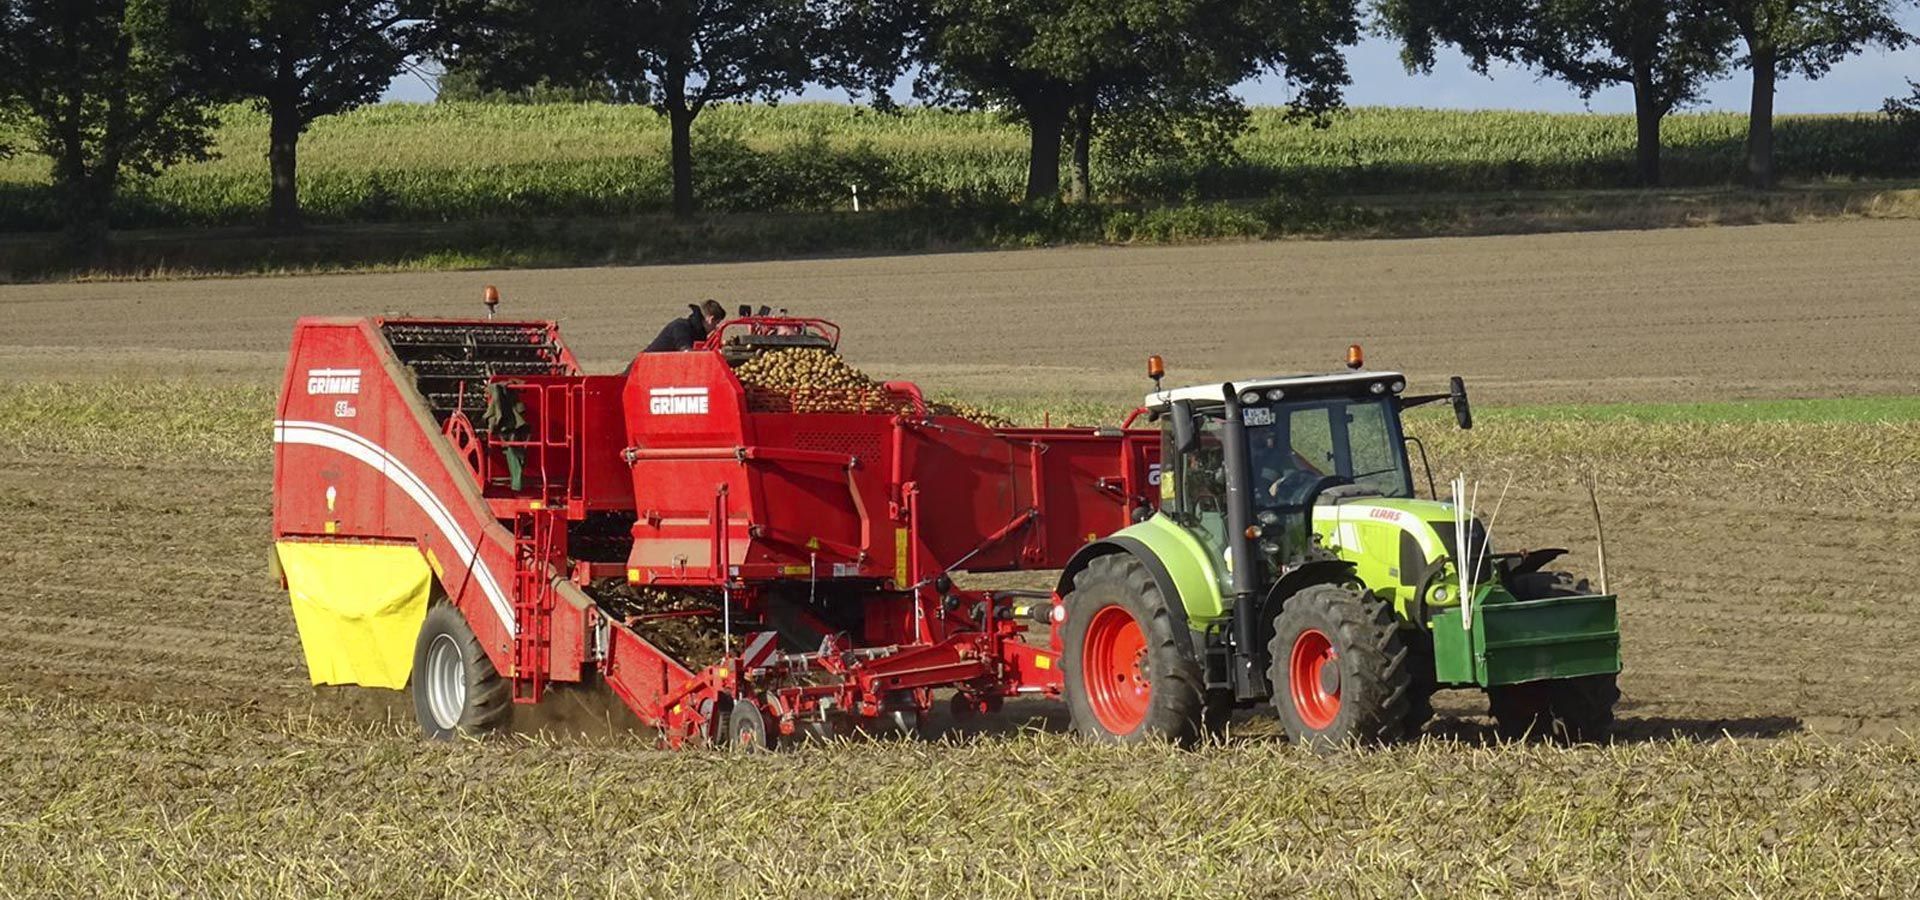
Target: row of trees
column 112, row 88
column 1664, row 50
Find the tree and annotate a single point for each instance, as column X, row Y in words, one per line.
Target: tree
column 1800, row 37
column 461, row 84
column 1061, row 66
column 1664, row 49
column 302, row 60
column 681, row 55
column 105, row 89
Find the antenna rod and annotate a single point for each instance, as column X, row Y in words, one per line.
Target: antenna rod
column 1599, row 530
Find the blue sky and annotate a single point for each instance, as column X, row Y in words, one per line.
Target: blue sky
column 1859, row 83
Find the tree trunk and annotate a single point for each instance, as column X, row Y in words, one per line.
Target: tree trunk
column 1647, row 113
column 680, row 123
column 1080, row 190
column 1760, row 118
column 283, row 148
column 1046, row 119
column 89, row 201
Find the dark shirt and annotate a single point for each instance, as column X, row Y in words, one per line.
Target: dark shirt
column 680, row 334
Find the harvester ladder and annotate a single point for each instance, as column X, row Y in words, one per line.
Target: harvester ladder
column 538, row 545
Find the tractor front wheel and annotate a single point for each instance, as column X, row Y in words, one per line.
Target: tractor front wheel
column 1341, row 670
column 1129, row 665
column 455, row 688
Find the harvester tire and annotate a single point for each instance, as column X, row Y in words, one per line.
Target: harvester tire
column 455, row 688
column 750, row 729
column 1342, row 672
column 1129, row 666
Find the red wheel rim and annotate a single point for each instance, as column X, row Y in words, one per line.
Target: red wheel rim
column 1312, row 653
column 1115, row 670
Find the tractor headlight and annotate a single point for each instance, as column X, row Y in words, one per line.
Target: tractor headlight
column 1440, row 594
column 1267, row 517
column 1269, row 548
column 1249, row 397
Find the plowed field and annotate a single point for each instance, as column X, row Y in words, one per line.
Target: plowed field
column 149, row 670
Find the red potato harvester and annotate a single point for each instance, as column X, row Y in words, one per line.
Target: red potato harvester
column 460, row 510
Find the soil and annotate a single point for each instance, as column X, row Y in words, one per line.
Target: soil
column 1736, row 619
column 149, row 584
column 1711, row 313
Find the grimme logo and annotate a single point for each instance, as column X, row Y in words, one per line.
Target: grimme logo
column 677, row 401
column 332, row 381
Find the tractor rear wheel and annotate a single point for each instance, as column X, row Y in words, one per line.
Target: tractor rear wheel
column 1341, row 670
column 1129, row 666
column 455, row 688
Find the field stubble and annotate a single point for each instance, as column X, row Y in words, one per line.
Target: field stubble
column 162, row 738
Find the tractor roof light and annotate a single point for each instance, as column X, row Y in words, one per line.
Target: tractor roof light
column 1378, row 387
column 1275, row 394
column 1249, row 397
column 1355, row 356
column 1397, row 386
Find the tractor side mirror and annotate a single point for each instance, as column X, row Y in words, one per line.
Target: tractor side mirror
column 1457, row 395
column 1184, row 435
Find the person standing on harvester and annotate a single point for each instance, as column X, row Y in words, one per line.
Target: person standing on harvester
column 682, row 334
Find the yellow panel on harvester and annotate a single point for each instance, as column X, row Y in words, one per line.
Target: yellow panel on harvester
column 358, row 607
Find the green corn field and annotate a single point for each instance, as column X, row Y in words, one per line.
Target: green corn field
column 455, row 162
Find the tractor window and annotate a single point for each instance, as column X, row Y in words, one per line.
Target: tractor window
column 1378, row 457
column 1201, row 483
column 1307, row 441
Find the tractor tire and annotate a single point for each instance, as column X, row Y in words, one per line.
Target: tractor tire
column 455, row 688
column 1420, row 695
column 1130, row 671
column 1570, row 710
column 1567, row 710
column 1342, row 673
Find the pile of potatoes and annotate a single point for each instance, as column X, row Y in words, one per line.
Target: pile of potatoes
column 808, row 380
column 818, row 381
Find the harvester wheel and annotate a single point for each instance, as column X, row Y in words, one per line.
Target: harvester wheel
column 1342, row 672
column 1129, row 666
column 455, row 688
column 749, row 728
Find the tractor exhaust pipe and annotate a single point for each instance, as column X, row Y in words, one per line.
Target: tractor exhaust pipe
column 1246, row 579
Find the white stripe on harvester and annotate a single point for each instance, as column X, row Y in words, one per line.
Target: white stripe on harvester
column 320, row 434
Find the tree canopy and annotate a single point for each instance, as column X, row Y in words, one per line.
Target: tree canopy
column 105, row 89
column 304, row 59
column 1665, row 50
column 681, row 56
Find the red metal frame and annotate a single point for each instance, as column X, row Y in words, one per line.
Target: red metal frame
column 871, row 509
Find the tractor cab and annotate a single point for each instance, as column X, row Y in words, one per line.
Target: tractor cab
column 1256, row 458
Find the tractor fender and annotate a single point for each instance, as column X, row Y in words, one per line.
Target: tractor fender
column 1319, row 571
column 1150, row 561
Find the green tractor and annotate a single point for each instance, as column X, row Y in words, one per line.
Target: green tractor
column 1291, row 561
